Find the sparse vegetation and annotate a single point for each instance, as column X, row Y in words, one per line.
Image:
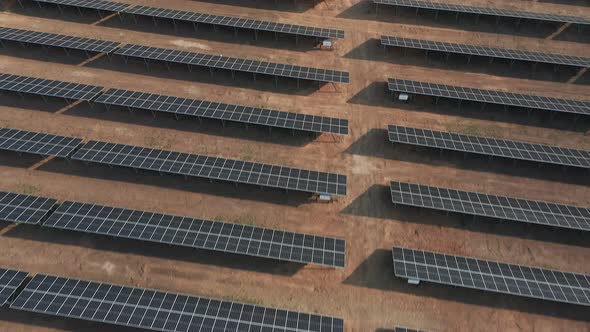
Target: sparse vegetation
column 243, row 219
column 247, row 300
column 247, row 153
column 28, row 189
column 158, row 142
column 470, row 129
column 246, row 220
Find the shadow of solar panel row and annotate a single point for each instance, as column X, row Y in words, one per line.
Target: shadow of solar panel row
column 221, row 111
column 27, row 209
column 55, row 40
column 10, row 281
column 235, row 22
column 406, row 329
column 243, row 65
column 212, row 168
column 490, row 146
column 91, row 4
column 490, row 96
column 159, row 310
column 492, row 276
column 200, row 234
column 48, row 88
column 23, row 141
column 432, row 45
column 484, row 11
column 488, row 205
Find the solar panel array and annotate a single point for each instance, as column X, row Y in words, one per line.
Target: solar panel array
column 92, row 4
column 10, row 280
column 490, row 146
column 235, row 22
column 52, row 39
column 505, row 53
column 159, row 310
column 484, row 11
column 221, row 111
column 243, row 65
column 212, row 168
column 488, row 205
column 49, row 88
column 492, row 276
column 25, row 209
column 197, row 233
column 490, row 96
column 37, row 143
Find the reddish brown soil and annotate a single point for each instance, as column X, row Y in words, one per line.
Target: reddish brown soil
column 365, row 293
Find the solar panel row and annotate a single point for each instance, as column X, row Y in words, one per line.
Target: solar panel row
column 175, row 56
column 90, row 4
column 23, row 141
column 174, row 230
column 494, row 52
column 200, row 234
column 194, row 17
column 56, row 40
column 236, row 64
column 175, row 105
column 490, row 96
column 221, row 111
column 435, row 5
column 25, row 209
column 490, row 146
column 174, row 162
column 235, row 22
column 212, row 168
column 488, row 205
column 49, row 88
column 149, row 309
column 159, row 310
column 492, row 276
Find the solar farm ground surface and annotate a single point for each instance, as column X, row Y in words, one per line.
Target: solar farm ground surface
column 364, row 293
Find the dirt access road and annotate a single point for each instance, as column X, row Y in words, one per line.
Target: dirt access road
column 365, row 293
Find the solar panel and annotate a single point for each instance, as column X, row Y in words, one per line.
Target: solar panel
column 52, row 39
column 235, row 22
column 484, row 11
column 24, row 209
column 492, row 276
column 159, row 310
column 197, row 233
column 490, row 96
column 10, row 280
column 243, row 65
column 92, row 4
column 212, row 168
column 494, row 52
column 488, row 205
column 221, row 111
column 49, row 88
column 37, row 143
column 490, row 146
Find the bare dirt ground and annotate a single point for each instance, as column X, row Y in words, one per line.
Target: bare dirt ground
column 365, row 293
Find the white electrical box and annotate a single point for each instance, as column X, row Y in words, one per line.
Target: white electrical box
column 414, row 281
